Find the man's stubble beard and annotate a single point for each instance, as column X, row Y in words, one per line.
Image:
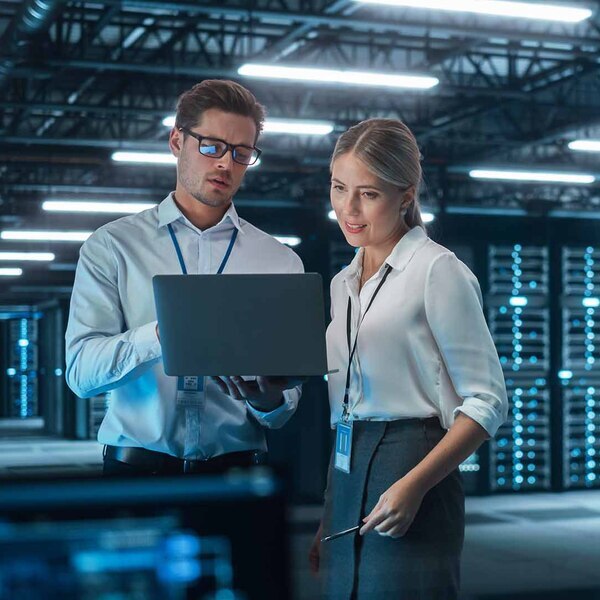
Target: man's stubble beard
column 213, row 204
column 189, row 186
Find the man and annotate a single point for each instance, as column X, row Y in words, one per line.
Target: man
column 112, row 339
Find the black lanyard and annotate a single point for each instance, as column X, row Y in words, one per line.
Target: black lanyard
column 180, row 255
column 345, row 413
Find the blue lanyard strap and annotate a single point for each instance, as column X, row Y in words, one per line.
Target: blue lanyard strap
column 229, row 249
column 180, row 256
column 177, row 249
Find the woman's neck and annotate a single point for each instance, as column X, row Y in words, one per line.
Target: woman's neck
column 374, row 256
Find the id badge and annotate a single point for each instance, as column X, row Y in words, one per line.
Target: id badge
column 190, row 390
column 343, row 446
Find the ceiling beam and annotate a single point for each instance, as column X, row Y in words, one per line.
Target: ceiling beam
column 510, row 29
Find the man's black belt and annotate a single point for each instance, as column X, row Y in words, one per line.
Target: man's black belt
column 160, row 462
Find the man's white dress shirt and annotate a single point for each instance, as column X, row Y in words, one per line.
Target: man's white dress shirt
column 424, row 348
column 111, row 342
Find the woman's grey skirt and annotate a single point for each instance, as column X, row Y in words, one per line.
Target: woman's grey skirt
column 424, row 563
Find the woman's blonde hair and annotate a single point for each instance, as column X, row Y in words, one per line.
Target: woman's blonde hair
column 390, row 151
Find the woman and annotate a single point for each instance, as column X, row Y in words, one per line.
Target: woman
column 419, row 386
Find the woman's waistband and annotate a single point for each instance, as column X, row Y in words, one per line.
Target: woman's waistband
column 429, row 423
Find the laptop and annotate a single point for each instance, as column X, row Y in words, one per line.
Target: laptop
column 267, row 324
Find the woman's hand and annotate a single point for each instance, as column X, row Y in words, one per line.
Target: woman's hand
column 396, row 509
column 314, row 554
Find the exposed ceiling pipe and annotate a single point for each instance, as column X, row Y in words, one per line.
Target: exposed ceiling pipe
column 33, row 17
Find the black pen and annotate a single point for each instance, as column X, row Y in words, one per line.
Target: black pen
column 334, row 536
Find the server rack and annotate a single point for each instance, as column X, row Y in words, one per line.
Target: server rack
column 519, row 319
column 22, row 367
column 579, row 374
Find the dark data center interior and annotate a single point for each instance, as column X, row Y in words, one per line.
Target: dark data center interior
column 130, row 148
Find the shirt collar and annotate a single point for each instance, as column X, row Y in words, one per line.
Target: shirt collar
column 168, row 212
column 405, row 249
column 400, row 256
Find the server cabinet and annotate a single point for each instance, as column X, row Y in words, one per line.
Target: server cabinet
column 519, row 320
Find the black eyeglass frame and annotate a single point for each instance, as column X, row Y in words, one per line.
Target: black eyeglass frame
column 228, row 147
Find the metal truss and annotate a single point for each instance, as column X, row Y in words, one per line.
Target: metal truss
column 90, row 77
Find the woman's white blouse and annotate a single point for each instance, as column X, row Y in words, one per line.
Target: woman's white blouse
column 424, row 348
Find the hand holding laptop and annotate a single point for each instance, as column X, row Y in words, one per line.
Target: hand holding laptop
column 264, row 393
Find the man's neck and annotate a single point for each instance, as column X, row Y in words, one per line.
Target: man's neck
column 198, row 214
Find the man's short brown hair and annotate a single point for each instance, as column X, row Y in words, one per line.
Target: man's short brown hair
column 224, row 95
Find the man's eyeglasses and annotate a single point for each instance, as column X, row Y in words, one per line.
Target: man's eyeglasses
column 216, row 148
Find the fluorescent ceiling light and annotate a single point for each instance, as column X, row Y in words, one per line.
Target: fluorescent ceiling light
column 96, row 207
column 297, row 127
column 292, row 126
column 46, row 236
column 20, row 256
column 288, row 240
column 361, row 78
column 10, row 272
column 531, row 176
column 565, row 374
column 426, row 216
column 497, row 8
column 585, row 145
column 151, row 158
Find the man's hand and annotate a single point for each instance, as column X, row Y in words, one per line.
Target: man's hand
column 265, row 394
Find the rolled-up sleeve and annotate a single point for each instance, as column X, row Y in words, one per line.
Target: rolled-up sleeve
column 100, row 355
column 454, row 312
column 279, row 417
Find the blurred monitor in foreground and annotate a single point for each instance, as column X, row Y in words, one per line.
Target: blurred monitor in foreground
column 190, row 537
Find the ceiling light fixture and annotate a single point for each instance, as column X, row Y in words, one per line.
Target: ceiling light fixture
column 45, row 236
column 585, row 145
column 531, row 176
column 96, row 206
column 297, row 127
column 334, row 76
column 426, row 216
column 150, row 158
column 497, row 8
column 10, row 272
column 290, row 126
column 27, row 256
